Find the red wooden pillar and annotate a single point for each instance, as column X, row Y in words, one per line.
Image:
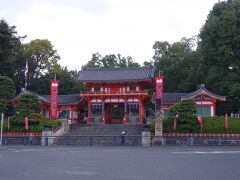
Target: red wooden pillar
column 71, row 115
column 89, row 111
column 214, row 109
column 140, row 111
column 103, row 112
column 125, row 112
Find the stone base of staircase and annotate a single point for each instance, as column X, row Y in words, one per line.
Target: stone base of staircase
column 108, row 134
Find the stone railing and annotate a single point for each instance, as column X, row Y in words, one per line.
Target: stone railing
column 50, row 136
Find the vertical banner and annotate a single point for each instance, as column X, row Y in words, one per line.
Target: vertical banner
column 200, row 121
column 159, row 87
column 159, row 91
column 175, row 124
column 226, row 121
column 54, row 99
column 26, row 122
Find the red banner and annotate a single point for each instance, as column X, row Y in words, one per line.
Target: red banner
column 159, row 87
column 175, row 124
column 26, row 123
column 200, row 121
column 226, row 121
column 54, row 99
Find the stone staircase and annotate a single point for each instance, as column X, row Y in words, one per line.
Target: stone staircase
column 107, row 134
column 104, row 130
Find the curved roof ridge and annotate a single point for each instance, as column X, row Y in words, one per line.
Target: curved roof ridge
column 203, row 90
column 114, row 68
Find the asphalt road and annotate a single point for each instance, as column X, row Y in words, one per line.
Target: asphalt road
column 119, row 163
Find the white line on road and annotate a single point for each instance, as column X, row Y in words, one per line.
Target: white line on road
column 27, row 150
column 207, row 152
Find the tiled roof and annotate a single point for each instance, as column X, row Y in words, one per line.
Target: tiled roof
column 203, row 90
column 116, row 74
column 66, row 99
column 172, row 97
column 31, row 92
column 62, row 99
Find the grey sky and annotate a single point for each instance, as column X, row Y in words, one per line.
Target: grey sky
column 78, row 28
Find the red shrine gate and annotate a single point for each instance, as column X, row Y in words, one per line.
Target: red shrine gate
column 110, row 107
column 116, row 95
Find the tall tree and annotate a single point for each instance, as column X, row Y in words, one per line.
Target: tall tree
column 42, row 59
column 219, row 45
column 178, row 63
column 111, row 61
column 9, row 48
column 6, row 93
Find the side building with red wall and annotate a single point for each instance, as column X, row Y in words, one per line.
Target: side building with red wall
column 70, row 106
column 206, row 101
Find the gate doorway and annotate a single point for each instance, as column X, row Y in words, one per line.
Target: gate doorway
column 114, row 113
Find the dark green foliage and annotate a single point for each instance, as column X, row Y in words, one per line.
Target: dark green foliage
column 219, row 46
column 9, row 48
column 111, row 61
column 178, row 63
column 17, row 125
column 185, row 108
column 211, row 125
column 217, row 125
column 187, row 120
column 29, row 106
column 152, row 127
column 6, row 93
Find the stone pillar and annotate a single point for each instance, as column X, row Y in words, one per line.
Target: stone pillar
column 158, row 123
column 46, row 137
column 158, row 138
column 146, row 138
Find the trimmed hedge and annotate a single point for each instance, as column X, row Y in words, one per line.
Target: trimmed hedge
column 211, row 125
column 217, row 125
column 33, row 125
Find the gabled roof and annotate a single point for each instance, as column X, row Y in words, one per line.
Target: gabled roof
column 203, row 91
column 40, row 97
column 116, row 74
column 66, row 99
column 62, row 99
column 171, row 98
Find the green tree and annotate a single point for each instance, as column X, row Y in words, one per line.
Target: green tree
column 42, row 59
column 9, row 48
column 219, row 46
column 28, row 105
column 6, row 93
column 187, row 120
column 67, row 82
column 178, row 63
column 111, row 61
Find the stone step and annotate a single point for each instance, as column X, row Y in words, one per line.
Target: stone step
column 104, row 129
column 108, row 134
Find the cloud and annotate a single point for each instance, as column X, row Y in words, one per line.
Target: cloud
column 129, row 27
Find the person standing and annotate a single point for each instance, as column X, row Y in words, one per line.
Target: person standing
column 123, row 137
